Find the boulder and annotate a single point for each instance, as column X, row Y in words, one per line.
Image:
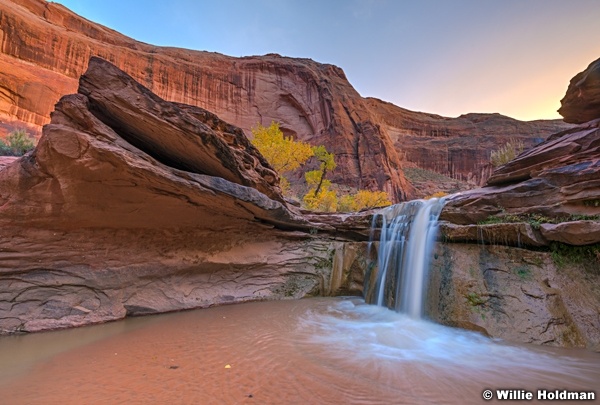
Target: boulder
column 582, row 100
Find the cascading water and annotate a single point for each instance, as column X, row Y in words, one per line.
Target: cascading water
column 407, row 236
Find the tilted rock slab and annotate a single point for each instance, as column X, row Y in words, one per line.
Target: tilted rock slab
column 133, row 205
column 557, row 178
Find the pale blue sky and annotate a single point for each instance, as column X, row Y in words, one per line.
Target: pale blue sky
column 448, row 57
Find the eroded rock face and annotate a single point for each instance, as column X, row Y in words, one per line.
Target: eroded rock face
column 558, row 178
column 515, row 294
column 46, row 47
column 457, row 147
column 56, row 278
column 582, row 101
column 132, row 205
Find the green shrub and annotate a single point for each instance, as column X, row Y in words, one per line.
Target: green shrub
column 523, row 272
column 17, row 143
column 587, row 256
column 535, row 220
column 474, row 299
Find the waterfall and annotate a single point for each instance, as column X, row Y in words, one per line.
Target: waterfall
column 398, row 279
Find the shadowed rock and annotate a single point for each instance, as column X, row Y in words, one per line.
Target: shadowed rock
column 558, row 178
column 582, row 101
column 133, row 205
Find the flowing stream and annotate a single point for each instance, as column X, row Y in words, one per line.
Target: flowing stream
column 407, row 235
column 310, row 351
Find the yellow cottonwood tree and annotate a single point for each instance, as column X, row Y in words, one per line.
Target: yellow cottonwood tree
column 324, row 199
column 364, row 199
column 320, row 197
column 282, row 152
column 285, row 154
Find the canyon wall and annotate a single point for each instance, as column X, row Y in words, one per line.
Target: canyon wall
column 45, row 48
column 460, row 147
column 133, row 205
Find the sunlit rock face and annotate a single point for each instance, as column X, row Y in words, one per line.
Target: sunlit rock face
column 133, row 205
column 45, row 48
column 582, row 101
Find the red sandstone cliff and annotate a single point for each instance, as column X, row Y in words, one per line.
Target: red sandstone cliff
column 131, row 204
column 45, row 48
column 457, row 147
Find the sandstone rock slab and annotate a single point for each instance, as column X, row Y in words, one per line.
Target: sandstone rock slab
column 576, row 233
column 132, row 205
column 508, row 234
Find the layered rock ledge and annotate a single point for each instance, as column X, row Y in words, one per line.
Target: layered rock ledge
column 555, row 185
column 501, row 279
column 134, row 205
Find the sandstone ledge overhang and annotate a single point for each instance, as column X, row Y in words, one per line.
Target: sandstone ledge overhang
column 116, row 155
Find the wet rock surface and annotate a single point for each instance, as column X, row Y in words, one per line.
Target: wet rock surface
column 515, row 294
